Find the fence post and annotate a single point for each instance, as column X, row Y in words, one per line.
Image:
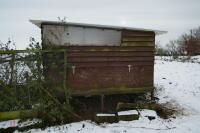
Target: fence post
column 12, row 68
column 40, row 72
column 65, row 74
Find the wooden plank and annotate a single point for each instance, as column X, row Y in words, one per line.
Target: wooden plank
column 112, row 64
column 109, row 54
column 65, row 76
column 137, row 33
column 147, row 44
column 21, row 114
column 31, row 51
column 120, row 50
column 132, row 35
column 138, row 39
column 127, row 106
column 111, row 118
column 108, row 59
column 108, row 91
column 106, row 48
column 128, row 117
column 143, row 37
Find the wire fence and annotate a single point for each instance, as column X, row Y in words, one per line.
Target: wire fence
column 24, row 73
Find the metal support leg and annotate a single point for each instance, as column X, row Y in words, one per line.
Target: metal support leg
column 152, row 95
column 102, row 103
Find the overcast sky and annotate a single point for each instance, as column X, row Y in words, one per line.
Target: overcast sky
column 174, row 16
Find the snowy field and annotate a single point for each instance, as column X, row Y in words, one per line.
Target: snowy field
column 177, row 82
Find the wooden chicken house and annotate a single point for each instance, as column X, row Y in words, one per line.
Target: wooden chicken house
column 102, row 59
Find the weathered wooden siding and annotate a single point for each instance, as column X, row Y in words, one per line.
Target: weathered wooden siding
column 113, row 69
column 105, row 70
column 137, row 38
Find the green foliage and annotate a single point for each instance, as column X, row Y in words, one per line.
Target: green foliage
column 14, row 100
column 7, row 98
column 28, row 89
column 19, row 78
column 53, row 113
column 53, row 109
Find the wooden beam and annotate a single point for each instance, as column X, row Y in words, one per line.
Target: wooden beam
column 137, row 33
column 128, row 106
column 108, row 91
column 136, row 44
column 138, row 39
column 21, row 114
column 109, row 118
column 30, row 51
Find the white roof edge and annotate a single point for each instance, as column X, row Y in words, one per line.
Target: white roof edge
column 39, row 22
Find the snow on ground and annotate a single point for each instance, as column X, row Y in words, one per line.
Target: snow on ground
column 129, row 112
column 177, row 82
column 103, row 114
column 9, row 123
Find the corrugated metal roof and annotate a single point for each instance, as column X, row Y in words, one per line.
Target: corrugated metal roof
column 40, row 22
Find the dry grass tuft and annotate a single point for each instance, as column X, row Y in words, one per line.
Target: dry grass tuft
column 168, row 110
